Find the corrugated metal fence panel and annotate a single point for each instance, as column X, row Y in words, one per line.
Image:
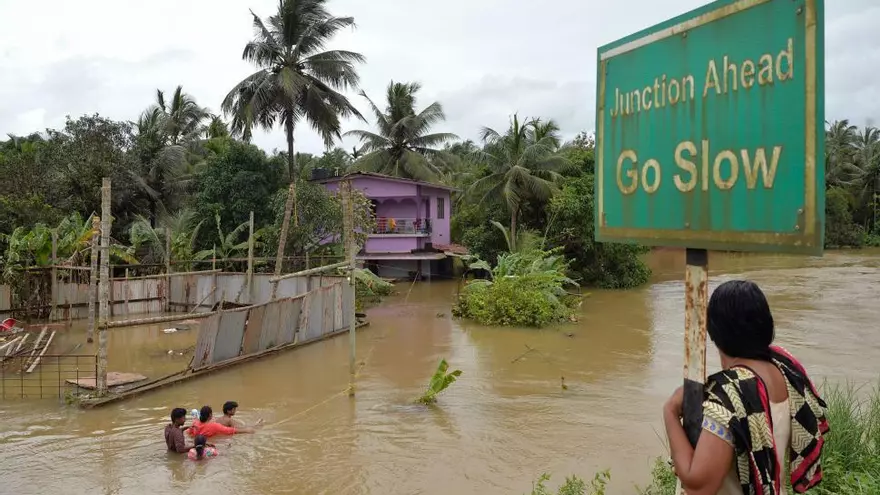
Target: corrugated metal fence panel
column 178, row 291
column 252, row 334
column 337, row 307
column 203, row 296
column 230, row 335
column 288, row 319
column 205, row 343
column 347, row 304
column 271, row 324
column 327, row 307
column 316, row 310
column 231, row 285
column 5, row 298
column 262, row 288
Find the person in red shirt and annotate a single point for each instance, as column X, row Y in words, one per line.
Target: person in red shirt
column 206, row 425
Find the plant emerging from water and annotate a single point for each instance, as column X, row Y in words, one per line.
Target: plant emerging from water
column 439, row 382
column 527, row 288
column 573, row 485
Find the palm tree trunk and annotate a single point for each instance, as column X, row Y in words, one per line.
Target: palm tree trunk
column 290, row 205
column 513, row 215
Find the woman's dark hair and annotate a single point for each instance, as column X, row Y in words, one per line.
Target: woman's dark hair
column 177, row 413
column 200, row 442
column 205, row 414
column 739, row 321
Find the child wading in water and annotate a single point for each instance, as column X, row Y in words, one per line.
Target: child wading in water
column 202, row 450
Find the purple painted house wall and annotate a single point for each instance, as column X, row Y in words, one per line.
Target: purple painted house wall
column 411, row 217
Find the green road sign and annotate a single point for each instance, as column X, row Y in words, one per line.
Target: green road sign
column 710, row 130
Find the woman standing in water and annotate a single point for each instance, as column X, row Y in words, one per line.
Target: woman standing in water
column 759, row 407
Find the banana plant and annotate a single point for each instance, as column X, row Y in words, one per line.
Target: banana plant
column 439, row 382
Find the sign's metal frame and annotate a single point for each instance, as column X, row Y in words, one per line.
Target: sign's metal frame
column 810, row 225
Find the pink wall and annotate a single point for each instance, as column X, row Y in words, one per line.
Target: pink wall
column 398, row 208
column 393, row 244
column 439, row 226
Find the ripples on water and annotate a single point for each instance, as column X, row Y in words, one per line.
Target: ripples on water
column 506, row 421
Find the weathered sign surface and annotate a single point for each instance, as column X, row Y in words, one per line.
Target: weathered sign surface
column 710, row 130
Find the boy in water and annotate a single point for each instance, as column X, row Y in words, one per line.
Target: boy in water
column 174, row 433
column 229, row 409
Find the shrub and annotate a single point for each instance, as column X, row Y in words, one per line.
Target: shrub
column 527, row 289
column 573, row 485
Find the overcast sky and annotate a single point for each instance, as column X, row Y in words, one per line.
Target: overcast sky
column 482, row 59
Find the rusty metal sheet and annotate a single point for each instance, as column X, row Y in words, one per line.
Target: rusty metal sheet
column 289, row 318
column 230, row 335
column 271, row 324
column 205, row 342
column 254, row 330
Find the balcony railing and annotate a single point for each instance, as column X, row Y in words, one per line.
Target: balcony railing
column 402, row 226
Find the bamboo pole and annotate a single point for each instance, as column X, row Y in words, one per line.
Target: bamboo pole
column 312, row 271
column 53, row 312
column 214, row 300
column 167, row 270
column 172, row 275
column 104, row 288
column 9, row 344
column 20, row 344
column 157, row 319
column 350, row 248
column 37, row 360
column 93, row 278
column 250, row 267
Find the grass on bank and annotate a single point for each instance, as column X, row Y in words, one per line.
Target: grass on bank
column 851, row 458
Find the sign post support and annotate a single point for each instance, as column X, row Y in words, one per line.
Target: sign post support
column 710, row 136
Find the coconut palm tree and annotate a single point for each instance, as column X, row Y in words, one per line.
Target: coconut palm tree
column 181, row 116
column 295, row 79
column 840, row 167
column 402, row 147
column 216, row 128
column 549, row 130
column 520, row 169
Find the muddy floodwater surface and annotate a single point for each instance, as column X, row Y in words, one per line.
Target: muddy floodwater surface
column 505, row 421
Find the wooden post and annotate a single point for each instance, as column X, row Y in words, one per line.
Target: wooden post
column 52, row 314
column 696, row 288
column 250, row 267
column 104, row 288
column 93, row 278
column 126, row 292
column 285, row 224
column 351, row 252
column 167, row 270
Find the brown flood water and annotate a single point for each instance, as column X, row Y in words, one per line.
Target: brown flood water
column 504, row 423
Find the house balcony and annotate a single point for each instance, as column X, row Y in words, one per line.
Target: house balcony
column 393, row 227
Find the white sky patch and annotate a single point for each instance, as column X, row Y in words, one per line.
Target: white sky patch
column 482, row 59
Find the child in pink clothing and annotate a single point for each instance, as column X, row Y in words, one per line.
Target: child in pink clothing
column 202, row 450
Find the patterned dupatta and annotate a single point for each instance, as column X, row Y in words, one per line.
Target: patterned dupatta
column 738, row 399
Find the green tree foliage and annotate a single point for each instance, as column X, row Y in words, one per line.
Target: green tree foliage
column 527, row 289
column 403, row 145
column 840, row 229
column 572, row 226
column 237, row 178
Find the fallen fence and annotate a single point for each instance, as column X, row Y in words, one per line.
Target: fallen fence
column 229, row 337
column 20, row 378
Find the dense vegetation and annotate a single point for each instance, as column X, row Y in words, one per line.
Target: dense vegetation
column 181, row 172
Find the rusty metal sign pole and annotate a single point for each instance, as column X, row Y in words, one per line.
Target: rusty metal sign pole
column 696, row 299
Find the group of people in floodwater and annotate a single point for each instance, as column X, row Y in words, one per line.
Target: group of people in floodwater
column 762, row 417
column 203, row 428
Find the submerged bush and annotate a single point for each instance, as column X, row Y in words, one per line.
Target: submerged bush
column 527, row 289
column 441, row 380
column 369, row 288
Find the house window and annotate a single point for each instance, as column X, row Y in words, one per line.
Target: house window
column 441, row 208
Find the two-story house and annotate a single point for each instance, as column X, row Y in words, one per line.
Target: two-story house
column 412, row 224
